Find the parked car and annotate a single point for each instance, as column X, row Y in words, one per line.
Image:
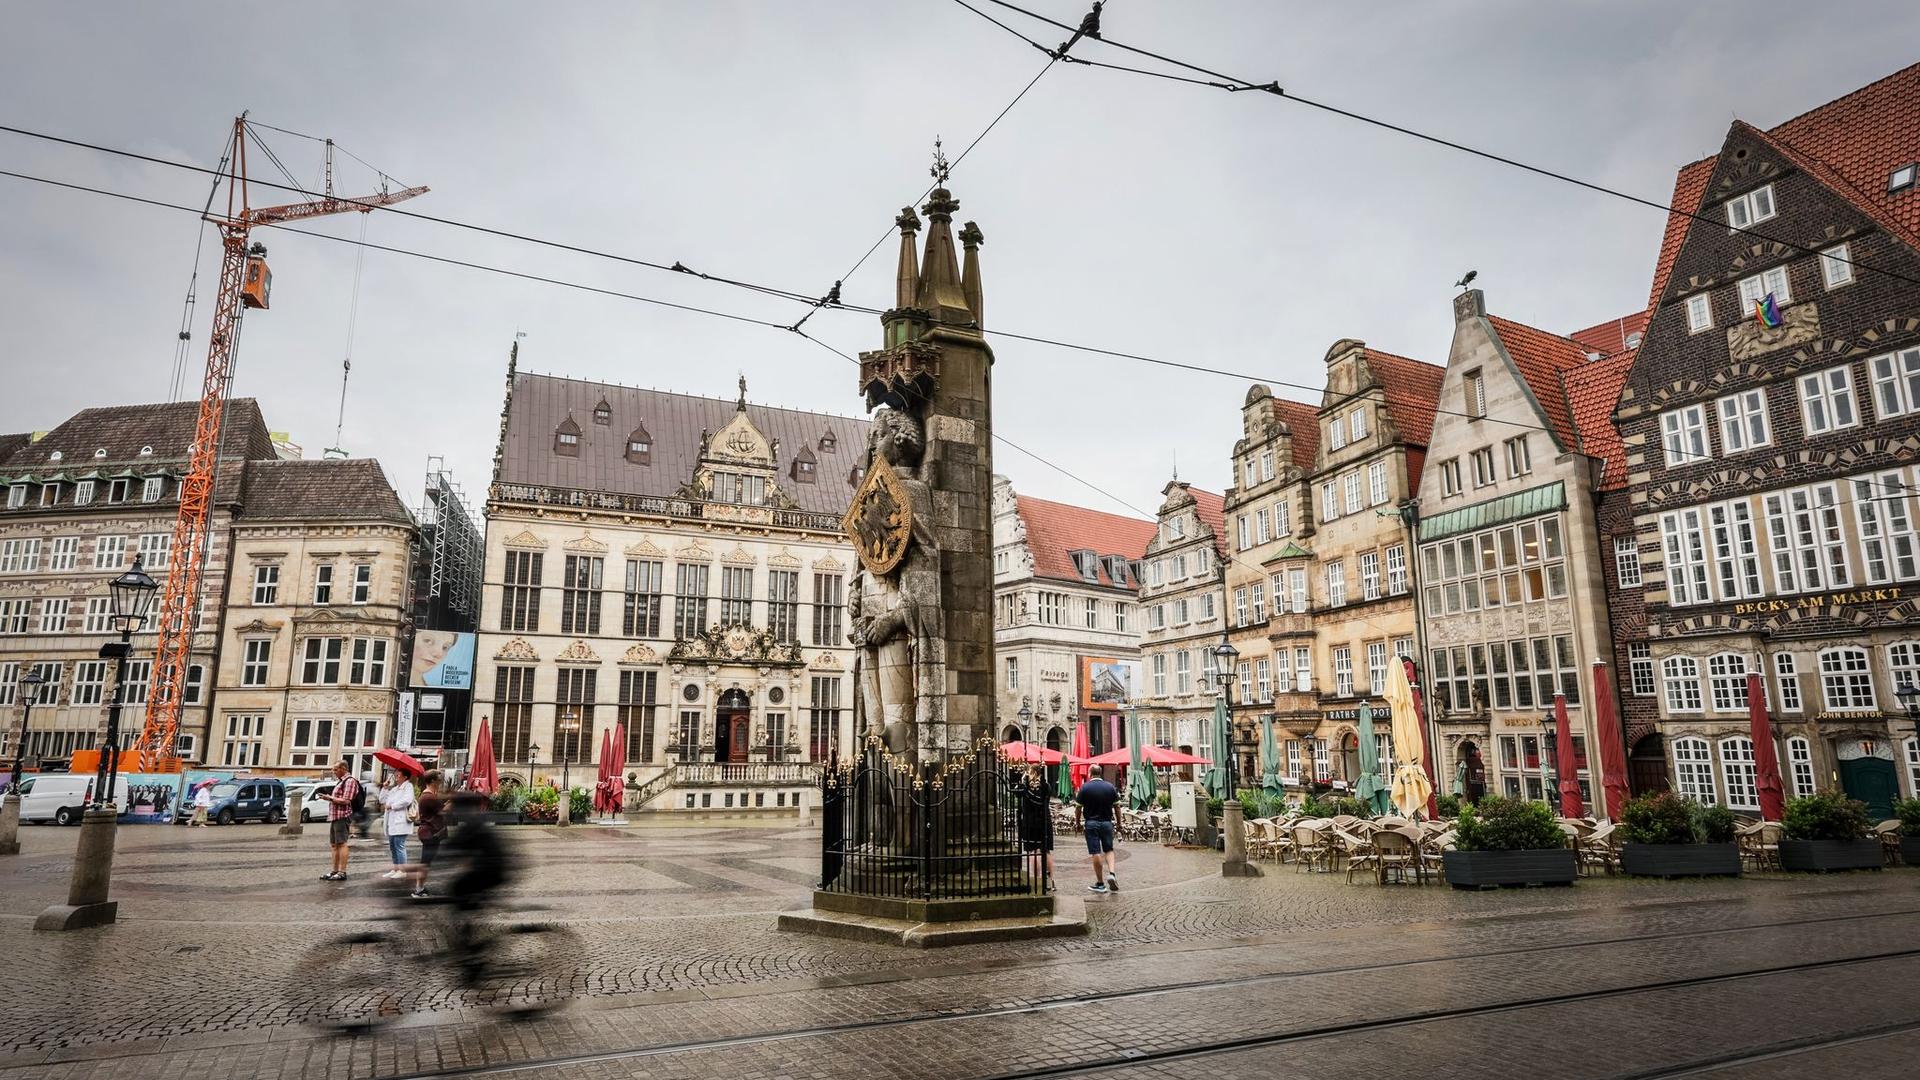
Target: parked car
column 61, row 797
column 243, row 799
column 315, row 806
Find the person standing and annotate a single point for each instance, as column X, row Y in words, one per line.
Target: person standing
column 396, row 806
column 202, row 802
column 341, row 801
column 1036, row 820
column 430, row 822
column 1097, row 798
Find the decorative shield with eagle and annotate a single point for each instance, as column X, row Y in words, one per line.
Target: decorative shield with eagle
column 880, row 520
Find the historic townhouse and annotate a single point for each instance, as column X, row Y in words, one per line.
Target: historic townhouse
column 1358, row 579
column 675, row 564
column 1183, row 602
column 314, row 618
column 1514, row 605
column 1269, row 517
column 82, row 501
column 1066, row 583
column 1771, row 422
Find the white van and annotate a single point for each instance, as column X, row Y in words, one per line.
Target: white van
column 61, row 797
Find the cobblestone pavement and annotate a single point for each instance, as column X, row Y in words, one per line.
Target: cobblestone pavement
column 678, row 953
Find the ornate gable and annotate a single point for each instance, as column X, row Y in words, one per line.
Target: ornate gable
column 693, row 551
column 828, row 564
column 646, row 549
column 639, row 654
column 577, row 653
column 519, row 650
column 784, row 559
column 740, row 443
column 526, row 539
column 586, row 544
column 739, row 555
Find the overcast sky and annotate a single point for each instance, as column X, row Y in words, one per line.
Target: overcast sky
column 775, row 142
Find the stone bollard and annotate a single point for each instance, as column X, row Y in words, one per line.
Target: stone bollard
column 806, row 809
column 1204, row 832
column 1233, row 821
column 292, row 826
column 87, row 903
column 10, row 825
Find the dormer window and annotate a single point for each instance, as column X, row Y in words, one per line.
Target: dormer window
column 639, row 447
column 1117, row 570
column 1749, row 209
column 1902, row 178
column 804, row 466
column 16, row 496
column 55, row 456
column 828, row 443
column 1088, row 564
column 151, row 490
column 146, row 451
column 99, row 454
column 603, row 412
column 855, row 475
column 566, row 438
column 49, row 494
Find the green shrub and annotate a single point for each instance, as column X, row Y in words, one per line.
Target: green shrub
column 1449, row 806
column 1215, row 807
column 1349, row 806
column 1828, row 815
column 1502, row 824
column 1908, row 811
column 1664, row 818
column 580, row 805
column 1164, row 800
column 542, row 796
column 507, row 800
column 1713, row 824
column 1312, row 807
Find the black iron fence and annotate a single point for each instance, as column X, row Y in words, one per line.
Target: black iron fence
column 967, row 828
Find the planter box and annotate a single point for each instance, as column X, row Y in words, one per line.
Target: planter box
column 1910, row 850
column 1680, row 860
column 1486, row 869
column 1830, row 854
column 502, row 817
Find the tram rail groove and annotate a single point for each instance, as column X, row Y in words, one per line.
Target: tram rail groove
column 1175, row 1053
column 1785, row 1048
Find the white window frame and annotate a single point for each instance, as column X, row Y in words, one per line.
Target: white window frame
column 1836, row 267
column 1376, row 483
column 1737, row 766
column 1849, row 670
column 1683, row 436
column 1727, row 682
column 1693, row 769
column 1329, row 500
column 1342, row 670
column 1626, row 561
column 1681, row 677
column 1896, row 382
column 1357, row 424
column 1786, row 673
column 1483, row 474
column 83, row 493
column 1336, row 583
column 1351, row 482
column 99, row 616
column 109, row 552
column 266, row 584
column 1519, row 457
column 1800, row 776
column 151, row 488
column 63, row 553
column 1641, row 681
column 1244, row 531
column 256, row 664
column 1699, row 312
column 1266, row 465
column 1743, row 421
column 53, row 614
column 1450, row 477
column 1756, row 287
column 1397, row 583
column 1337, row 434
column 1370, row 575
column 1889, row 546
column 1829, row 394
column 1751, row 208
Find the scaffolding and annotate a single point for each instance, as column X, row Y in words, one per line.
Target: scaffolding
column 453, row 556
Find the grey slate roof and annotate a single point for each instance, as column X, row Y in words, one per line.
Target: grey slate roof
column 542, row 403
column 11, row 443
column 121, row 430
column 327, row 489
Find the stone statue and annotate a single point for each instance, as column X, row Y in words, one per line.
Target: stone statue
column 894, row 603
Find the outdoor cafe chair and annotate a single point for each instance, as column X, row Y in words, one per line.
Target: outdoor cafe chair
column 1396, row 852
column 1597, row 849
column 1433, row 851
column 1889, row 833
column 1359, row 850
column 1312, row 847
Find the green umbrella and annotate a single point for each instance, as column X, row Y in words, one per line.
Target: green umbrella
column 1370, row 788
column 1222, row 750
column 1270, row 758
column 1063, row 782
column 1139, row 774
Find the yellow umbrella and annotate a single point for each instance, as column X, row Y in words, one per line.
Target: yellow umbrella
column 1410, row 785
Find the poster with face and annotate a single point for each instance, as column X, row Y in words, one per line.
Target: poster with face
column 442, row 660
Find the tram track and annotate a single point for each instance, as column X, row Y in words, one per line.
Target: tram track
column 1133, row 1058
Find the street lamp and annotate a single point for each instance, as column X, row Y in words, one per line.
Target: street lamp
column 1909, row 696
column 1549, row 732
column 568, row 727
column 1224, row 656
column 30, row 684
column 1026, row 722
column 132, row 594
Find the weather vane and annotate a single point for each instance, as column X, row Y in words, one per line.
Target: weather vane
column 941, row 170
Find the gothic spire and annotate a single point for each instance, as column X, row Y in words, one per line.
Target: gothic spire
column 970, row 240
column 939, row 292
column 907, row 277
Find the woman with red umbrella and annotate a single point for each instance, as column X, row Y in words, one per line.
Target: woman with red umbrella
column 396, row 806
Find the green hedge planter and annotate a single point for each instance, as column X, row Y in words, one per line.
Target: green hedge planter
column 1821, row 855
column 1490, row 869
column 1680, row 860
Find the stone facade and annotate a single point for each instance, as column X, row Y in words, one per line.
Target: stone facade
column 1772, row 467
column 1183, row 599
column 1066, row 607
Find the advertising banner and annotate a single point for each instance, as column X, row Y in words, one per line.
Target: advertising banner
column 442, row 660
column 403, row 725
column 1106, row 684
column 152, row 798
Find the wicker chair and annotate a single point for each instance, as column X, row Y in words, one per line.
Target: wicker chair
column 1360, row 851
column 1313, row 845
column 1599, row 849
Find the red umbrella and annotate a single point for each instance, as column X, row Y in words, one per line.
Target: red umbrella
column 1156, row 756
column 400, row 760
column 1570, row 804
column 600, row 779
column 1032, row 753
column 1766, row 763
column 481, row 774
column 616, row 776
column 1613, row 745
column 1082, row 750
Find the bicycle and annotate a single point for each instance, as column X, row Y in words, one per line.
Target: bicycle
column 361, row 981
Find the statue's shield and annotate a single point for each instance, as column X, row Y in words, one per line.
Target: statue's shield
column 879, row 521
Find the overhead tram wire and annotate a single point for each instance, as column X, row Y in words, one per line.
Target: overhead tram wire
column 1235, row 84
column 770, row 324
column 183, row 338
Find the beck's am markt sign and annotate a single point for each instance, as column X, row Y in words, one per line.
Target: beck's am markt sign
column 1838, row 599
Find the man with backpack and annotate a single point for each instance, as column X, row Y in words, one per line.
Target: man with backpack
column 347, row 800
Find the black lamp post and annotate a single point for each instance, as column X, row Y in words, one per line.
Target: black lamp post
column 1026, row 723
column 568, row 730
column 30, row 686
column 1549, row 733
column 1224, row 656
column 132, row 594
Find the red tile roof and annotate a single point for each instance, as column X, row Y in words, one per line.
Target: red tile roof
column 1851, row 144
column 1413, row 390
column 1593, row 390
column 1610, row 338
column 1303, row 420
column 1055, row 530
column 1542, row 359
column 1212, row 510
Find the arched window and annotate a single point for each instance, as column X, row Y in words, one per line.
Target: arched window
column 1693, row 769
column 1163, row 732
column 1682, row 676
column 1736, row 763
column 1727, row 674
column 1800, row 765
column 1846, row 680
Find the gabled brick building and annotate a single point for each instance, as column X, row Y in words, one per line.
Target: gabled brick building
column 1772, row 462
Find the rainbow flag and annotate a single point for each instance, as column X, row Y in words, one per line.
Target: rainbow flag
column 1767, row 312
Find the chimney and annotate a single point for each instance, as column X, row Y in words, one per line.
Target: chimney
column 1471, row 304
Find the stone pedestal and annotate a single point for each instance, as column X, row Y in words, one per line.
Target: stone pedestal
column 564, row 810
column 1233, row 823
column 933, row 924
column 10, row 825
column 292, row 826
column 1204, row 833
column 87, row 903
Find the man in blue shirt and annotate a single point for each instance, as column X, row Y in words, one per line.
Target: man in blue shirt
column 1097, row 798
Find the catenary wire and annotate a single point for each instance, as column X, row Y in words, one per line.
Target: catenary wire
column 1235, row 84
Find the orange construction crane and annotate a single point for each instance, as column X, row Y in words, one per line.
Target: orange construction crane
column 245, row 282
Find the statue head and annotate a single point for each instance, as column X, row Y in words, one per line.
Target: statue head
column 896, row 438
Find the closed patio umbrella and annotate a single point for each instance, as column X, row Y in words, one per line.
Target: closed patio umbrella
column 482, row 775
column 1222, row 749
column 1766, row 762
column 1140, row 790
column 1411, row 788
column 616, row 773
column 1613, row 745
column 1082, row 750
column 600, row 774
column 1270, row 758
column 1371, row 787
column 1571, row 804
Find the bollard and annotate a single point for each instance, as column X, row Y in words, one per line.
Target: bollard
column 10, row 825
column 1233, row 822
column 292, row 826
column 87, row 903
column 806, row 809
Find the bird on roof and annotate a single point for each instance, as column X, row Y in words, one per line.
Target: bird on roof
column 1466, row 280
